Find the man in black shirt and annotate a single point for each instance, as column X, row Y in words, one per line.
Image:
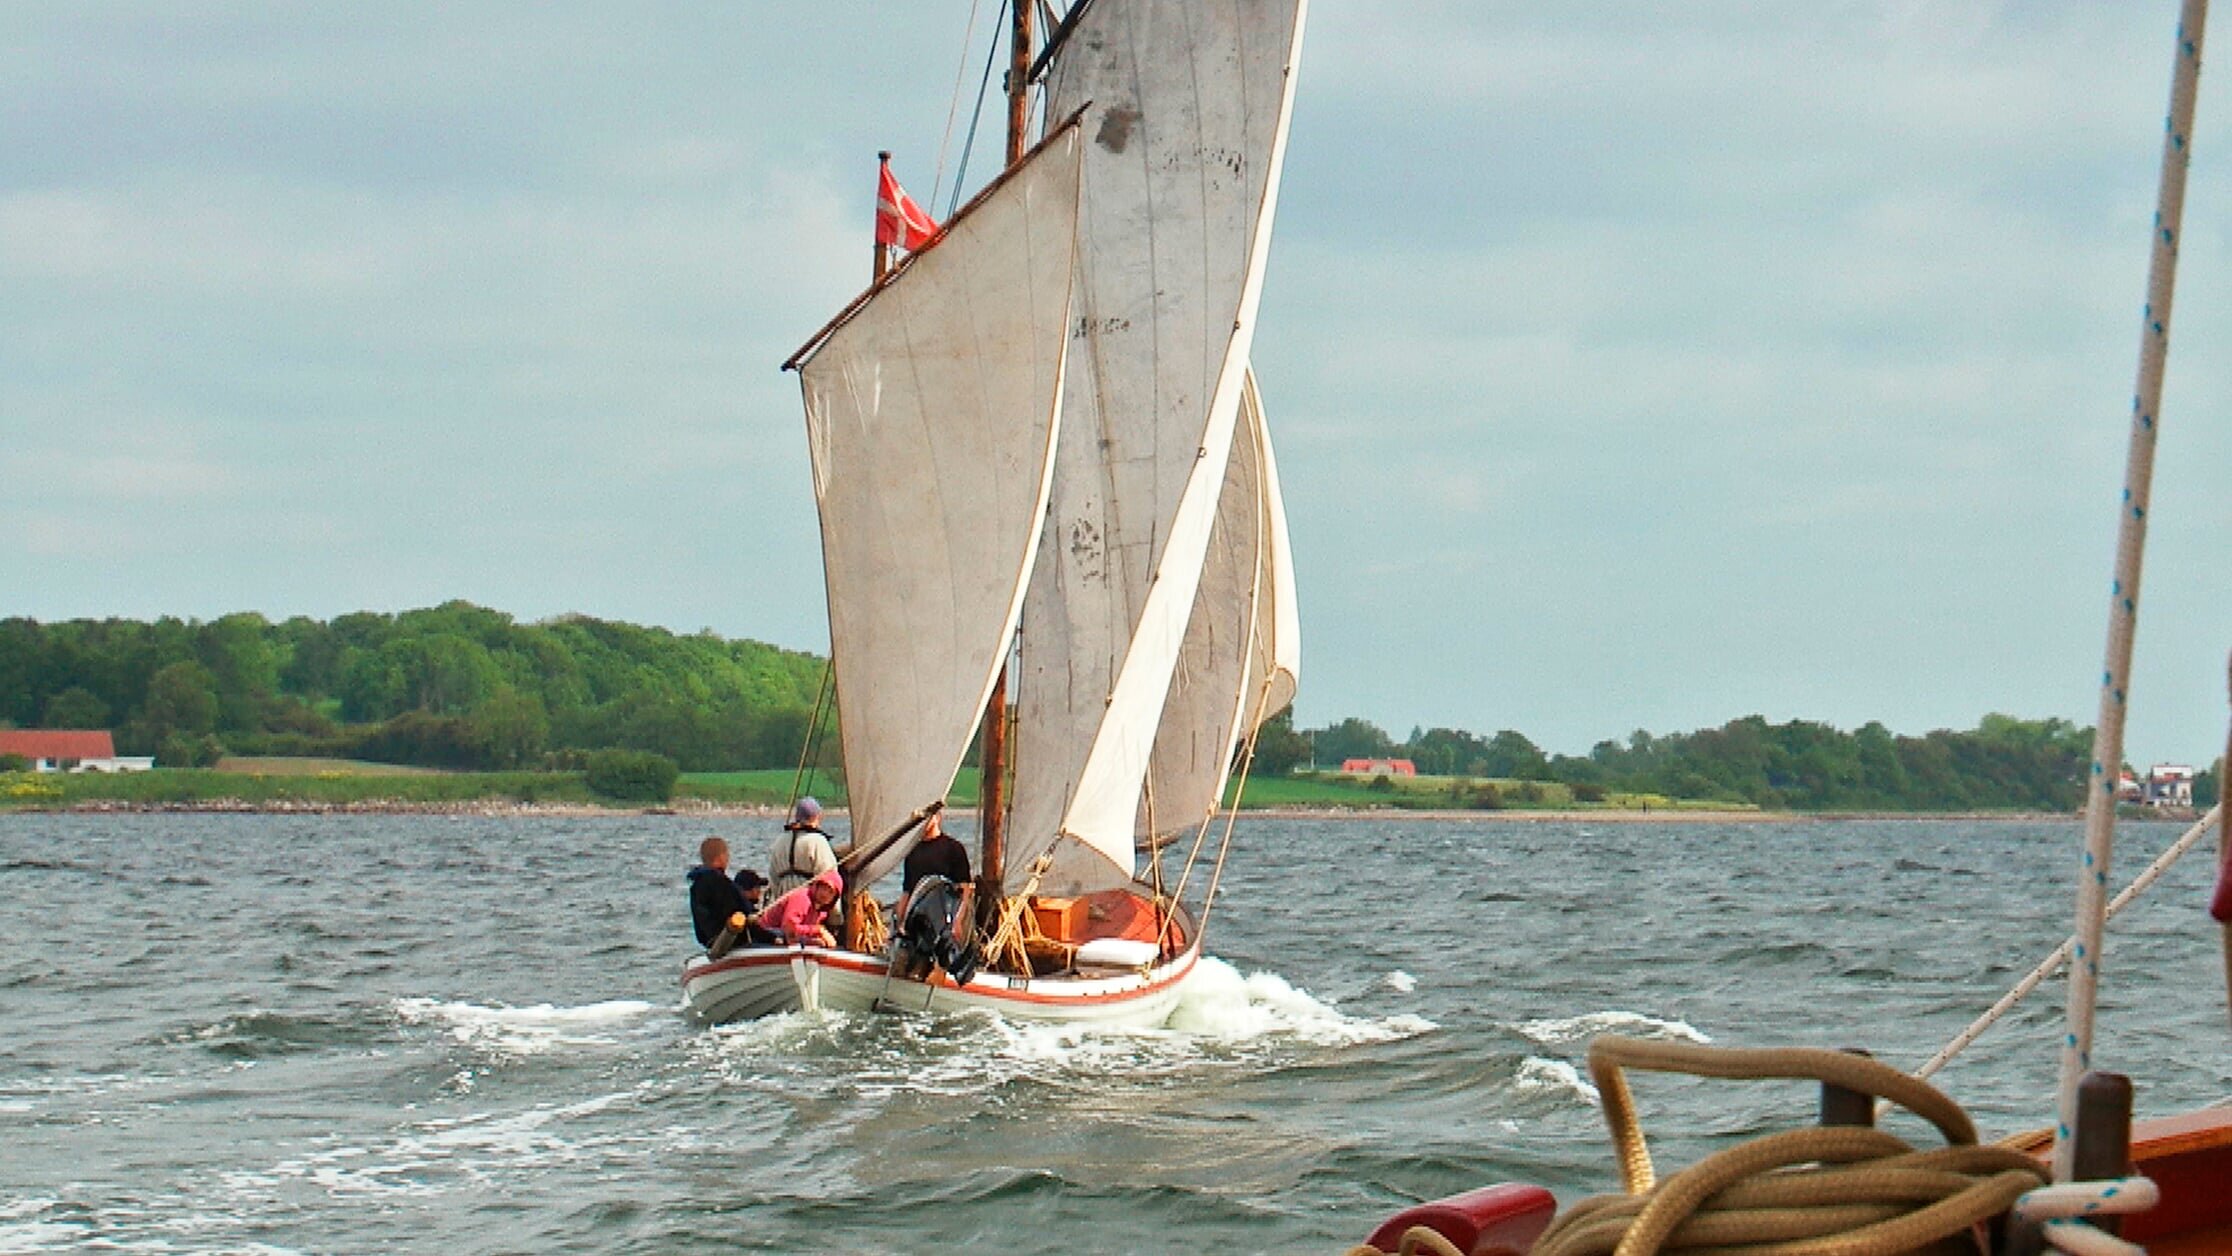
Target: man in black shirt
column 713, row 897
column 935, row 855
column 942, row 937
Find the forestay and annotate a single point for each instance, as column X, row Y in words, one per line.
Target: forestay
column 932, row 411
column 1189, row 104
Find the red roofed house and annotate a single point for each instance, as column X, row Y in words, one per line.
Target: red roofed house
column 68, row 750
column 1378, row 767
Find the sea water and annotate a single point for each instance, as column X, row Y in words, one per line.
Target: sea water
column 347, row 1033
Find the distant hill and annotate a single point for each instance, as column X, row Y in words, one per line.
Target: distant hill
column 456, row 685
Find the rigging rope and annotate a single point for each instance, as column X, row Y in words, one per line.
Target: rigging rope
column 2061, row 1207
column 1201, row 835
column 1232, row 813
column 2220, row 903
column 961, row 173
column 2047, row 967
column 953, row 107
column 2123, row 607
column 813, row 734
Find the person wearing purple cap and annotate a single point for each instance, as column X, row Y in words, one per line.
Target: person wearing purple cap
column 803, row 851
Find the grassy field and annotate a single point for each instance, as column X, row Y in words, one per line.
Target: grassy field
column 341, row 782
column 768, row 787
column 772, row 787
column 278, row 766
column 194, row 786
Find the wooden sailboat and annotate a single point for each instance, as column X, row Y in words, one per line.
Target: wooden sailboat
column 2094, row 1182
column 1038, row 436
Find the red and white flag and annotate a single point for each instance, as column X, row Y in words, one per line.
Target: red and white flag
column 898, row 219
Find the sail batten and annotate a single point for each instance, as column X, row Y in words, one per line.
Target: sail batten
column 1185, row 136
column 933, row 411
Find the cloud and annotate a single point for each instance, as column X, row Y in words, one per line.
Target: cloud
column 1631, row 364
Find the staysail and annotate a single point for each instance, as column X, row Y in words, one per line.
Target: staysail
column 932, row 411
column 1277, row 665
column 1236, row 668
column 1189, row 101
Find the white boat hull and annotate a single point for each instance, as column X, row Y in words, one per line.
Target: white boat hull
column 762, row 981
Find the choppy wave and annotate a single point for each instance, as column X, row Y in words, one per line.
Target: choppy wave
column 277, row 1092
column 28, row 1094
column 39, row 1224
column 1567, row 1030
column 258, row 1032
column 27, row 1226
column 1538, row 1075
column 431, row 1157
column 529, row 1030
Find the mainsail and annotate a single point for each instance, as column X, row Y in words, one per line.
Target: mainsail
column 932, row 412
column 1189, row 101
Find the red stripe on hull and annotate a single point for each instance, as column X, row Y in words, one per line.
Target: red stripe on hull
column 1177, row 972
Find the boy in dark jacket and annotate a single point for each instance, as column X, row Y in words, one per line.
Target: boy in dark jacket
column 713, row 897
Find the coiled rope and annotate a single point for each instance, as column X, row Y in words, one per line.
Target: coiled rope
column 871, row 934
column 1824, row 1191
column 1007, row 948
column 1417, row 1241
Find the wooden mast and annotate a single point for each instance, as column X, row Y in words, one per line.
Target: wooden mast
column 992, row 863
column 883, row 251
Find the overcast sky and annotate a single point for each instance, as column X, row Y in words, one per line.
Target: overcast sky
column 1631, row 365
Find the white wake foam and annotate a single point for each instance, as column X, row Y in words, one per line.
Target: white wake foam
column 1222, row 1019
column 23, row 1229
column 432, row 1157
column 1567, row 1030
column 523, row 1030
column 1217, row 1002
column 1538, row 1075
column 1400, row 982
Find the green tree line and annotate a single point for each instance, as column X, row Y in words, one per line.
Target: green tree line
column 461, row 686
column 455, row 686
column 2004, row 763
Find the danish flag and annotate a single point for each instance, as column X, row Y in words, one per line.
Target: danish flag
column 898, row 219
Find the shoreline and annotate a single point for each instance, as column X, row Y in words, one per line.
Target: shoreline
column 692, row 808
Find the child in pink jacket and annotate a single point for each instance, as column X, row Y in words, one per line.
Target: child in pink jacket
column 799, row 915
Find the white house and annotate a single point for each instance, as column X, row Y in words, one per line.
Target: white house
column 2170, row 785
column 69, row 750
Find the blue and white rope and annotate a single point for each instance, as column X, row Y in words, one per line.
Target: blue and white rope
column 2064, row 1207
column 2123, row 610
